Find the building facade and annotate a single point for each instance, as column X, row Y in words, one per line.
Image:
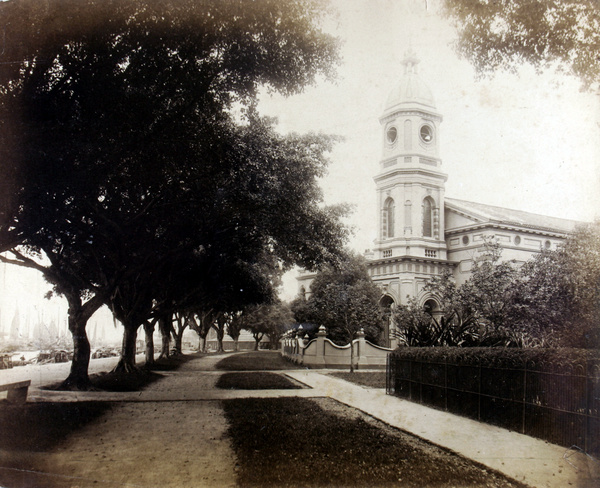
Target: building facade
column 421, row 232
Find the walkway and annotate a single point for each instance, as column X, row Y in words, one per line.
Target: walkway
column 531, row 461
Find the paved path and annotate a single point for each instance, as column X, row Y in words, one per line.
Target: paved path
column 534, row 462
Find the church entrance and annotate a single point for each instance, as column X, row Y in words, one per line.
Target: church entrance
column 386, row 304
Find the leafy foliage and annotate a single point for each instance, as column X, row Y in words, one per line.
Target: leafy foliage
column 560, row 290
column 477, row 313
column 538, row 359
column 552, row 300
column 134, row 158
column 504, row 34
column 344, row 300
column 270, row 319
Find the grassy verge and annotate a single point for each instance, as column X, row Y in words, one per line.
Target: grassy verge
column 255, row 361
column 287, row 442
column 374, row 379
column 255, row 381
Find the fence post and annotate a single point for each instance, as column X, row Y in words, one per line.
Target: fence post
column 361, row 348
column 387, row 374
column 446, row 383
column 410, row 379
column 588, row 408
column 479, row 393
column 321, row 334
column 524, row 397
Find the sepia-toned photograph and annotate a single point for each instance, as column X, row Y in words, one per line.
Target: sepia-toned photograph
column 299, row 243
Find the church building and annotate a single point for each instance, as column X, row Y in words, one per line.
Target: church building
column 422, row 232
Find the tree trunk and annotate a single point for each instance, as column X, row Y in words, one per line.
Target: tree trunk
column 351, row 355
column 165, row 334
column 127, row 362
column 204, row 345
column 220, row 334
column 257, row 339
column 236, row 345
column 182, row 324
column 79, row 314
column 178, row 341
column 149, row 336
column 78, row 378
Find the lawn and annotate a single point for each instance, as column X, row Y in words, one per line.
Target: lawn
column 255, row 361
column 287, row 442
column 255, row 381
column 372, row 379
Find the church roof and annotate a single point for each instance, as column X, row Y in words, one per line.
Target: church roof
column 411, row 92
column 483, row 213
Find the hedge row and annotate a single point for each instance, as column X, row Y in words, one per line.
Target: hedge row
column 559, row 360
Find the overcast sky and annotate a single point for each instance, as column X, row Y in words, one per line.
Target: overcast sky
column 524, row 141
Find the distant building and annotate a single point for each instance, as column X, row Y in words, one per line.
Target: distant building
column 421, row 232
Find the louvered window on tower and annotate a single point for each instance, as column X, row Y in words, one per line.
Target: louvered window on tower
column 427, row 218
column 387, row 219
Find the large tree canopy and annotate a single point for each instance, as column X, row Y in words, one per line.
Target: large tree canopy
column 89, row 87
column 125, row 150
column 502, row 34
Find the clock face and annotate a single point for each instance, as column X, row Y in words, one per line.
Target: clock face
column 391, row 135
column 426, row 134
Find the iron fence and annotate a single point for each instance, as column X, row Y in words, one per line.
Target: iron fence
column 560, row 405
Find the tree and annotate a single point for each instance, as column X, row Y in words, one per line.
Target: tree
column 235, row 325
column 345, row 300
column 560, row 291
column 552, row 300
column 257, row 322
column 120, row 147
column 83, row 300
column 201, row 323
column 282, row 319
column 483, row 311
column 544, row 33
column 270, row 319
column 149, row 339
column 219, row 326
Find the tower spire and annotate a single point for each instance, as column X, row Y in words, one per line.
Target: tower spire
column 410, row 61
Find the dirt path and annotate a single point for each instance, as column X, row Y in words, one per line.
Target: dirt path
column 142, row 444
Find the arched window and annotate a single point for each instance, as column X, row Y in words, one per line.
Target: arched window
column 427, row 218
column 430, row 306
column 387, row 219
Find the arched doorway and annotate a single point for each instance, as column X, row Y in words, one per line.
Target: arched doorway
column 386, row 303
column 432, row 307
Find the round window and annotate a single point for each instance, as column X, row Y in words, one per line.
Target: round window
column 547, row 244
column 391, row 135
column 465, row 240
column 517, row 240
column 426, row 133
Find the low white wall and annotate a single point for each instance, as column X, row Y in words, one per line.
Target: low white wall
column 321, row 352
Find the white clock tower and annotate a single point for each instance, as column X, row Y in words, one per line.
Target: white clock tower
column 410, row 182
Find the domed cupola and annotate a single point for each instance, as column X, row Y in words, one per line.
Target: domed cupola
column 411, row 92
